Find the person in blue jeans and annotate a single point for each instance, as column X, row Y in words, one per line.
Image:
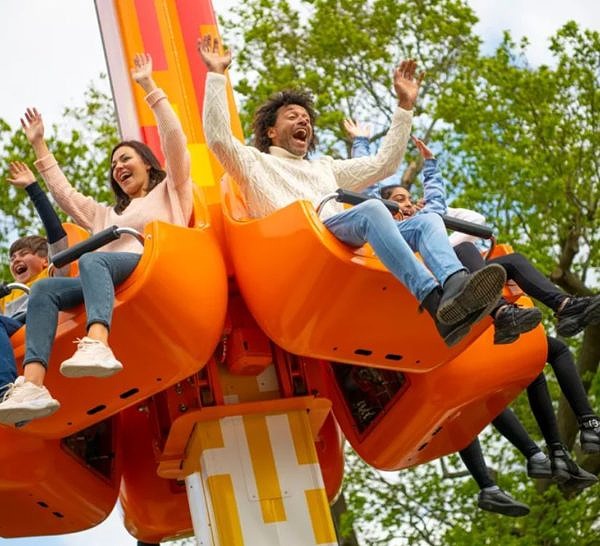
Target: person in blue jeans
column 28, row 263
column 277, row 171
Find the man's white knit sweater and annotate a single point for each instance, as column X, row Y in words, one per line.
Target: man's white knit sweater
column 274, row 180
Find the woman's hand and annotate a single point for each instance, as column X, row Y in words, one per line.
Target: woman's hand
column 20, row 174
column 209, row 50
column 425, row 152
column 357, row 129
column 33, row 126
column 142, row 71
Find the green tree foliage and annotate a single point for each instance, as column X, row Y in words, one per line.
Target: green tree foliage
column 344, row 52
column 81, row 145
column 519, row 143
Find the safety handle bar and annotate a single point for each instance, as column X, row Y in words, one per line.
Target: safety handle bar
column 355, row 198
column 7, row 288
column 93, row 243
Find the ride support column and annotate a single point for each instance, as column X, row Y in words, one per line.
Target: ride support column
column 255, row 479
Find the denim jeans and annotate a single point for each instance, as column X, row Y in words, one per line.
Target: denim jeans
column 99, row 273
column 394, row 243
column 8, row 365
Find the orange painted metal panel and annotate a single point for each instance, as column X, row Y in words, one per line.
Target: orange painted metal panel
column 434, row 413
column 45, row 489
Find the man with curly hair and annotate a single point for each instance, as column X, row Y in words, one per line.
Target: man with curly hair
column 276, row 172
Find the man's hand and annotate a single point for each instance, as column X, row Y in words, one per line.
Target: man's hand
column 209, row 50
column 425, row 152
column 357, row 129
column 406, row 85
column 33, row 126
column 20, row 175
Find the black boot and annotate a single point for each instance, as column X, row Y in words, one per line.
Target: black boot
column 501, row 502
column 539, row 468
column 464, row 293
column 451, row 334
column 570, row 477
column 589, row 437
column 576, row 314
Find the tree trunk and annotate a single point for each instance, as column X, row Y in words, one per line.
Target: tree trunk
column 337, row 509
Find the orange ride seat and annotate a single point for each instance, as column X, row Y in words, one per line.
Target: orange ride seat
column 315, row 296
column 54, row 487
column 167, row 321
column 394, row 419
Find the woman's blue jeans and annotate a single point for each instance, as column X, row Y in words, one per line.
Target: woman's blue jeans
column 99, row 273
column 8, row 365
column 395, row 243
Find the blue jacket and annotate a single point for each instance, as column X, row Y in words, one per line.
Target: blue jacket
column 433, row 184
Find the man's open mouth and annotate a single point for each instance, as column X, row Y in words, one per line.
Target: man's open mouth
column 300, row 135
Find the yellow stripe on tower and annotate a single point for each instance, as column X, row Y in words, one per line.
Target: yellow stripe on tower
column 225, row 510
column 264, row 468
column 320, row 516
column 302, row 437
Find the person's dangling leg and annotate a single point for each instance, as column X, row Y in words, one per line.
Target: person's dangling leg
column 371, row 222
column 508, row 424
column 463, row 293
column 564, row 469
column 491, row 497
column 8, row 365
column 510, row 320
column 28, row 398
column 561, row 360
column 572, row 312
column 99, row 273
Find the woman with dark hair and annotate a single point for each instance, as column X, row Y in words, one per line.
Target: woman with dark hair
column 144, row 193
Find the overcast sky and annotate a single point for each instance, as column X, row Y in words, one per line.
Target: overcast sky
column 50, row 50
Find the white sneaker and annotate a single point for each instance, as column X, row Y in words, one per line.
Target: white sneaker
column 24, row 401
column 91, row 359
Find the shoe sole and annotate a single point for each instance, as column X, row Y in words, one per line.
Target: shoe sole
column 457, row 335
column 588, row 447
column 576, row 484
column 482, row 291
column 527, row 325
column 13, row 416
column 540, row 475
column 573, row 482
column 514, row 511
column 85, row 370
column 572, row 326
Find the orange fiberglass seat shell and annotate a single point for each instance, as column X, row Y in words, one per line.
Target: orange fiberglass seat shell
column 430, row 414
column 315, row 296
column 168, row 318
column 46, row 489
column 154, row 509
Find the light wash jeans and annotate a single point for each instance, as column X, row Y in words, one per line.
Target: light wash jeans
column 394, row 243
column 99, row 273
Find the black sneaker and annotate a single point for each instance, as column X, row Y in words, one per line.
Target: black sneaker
column 450, row 333
column 511, row 321
column 464, row 293
column 576, row 314
column 589, row 437
column 539, row 469
column 571, row 477
column 501, row 503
